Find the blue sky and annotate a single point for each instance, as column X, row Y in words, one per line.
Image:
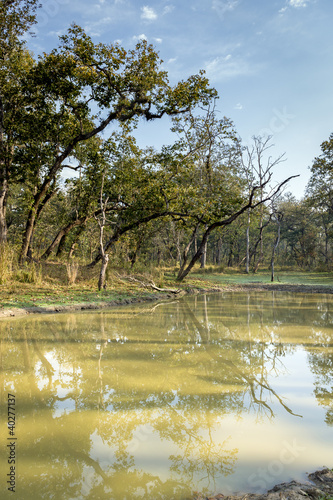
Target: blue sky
column 270, row 60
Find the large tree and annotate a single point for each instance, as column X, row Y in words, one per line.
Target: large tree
column 16, row 18
column 80, row 77
column 69, row 96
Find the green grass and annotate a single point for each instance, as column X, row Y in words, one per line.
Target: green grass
column 283, row 277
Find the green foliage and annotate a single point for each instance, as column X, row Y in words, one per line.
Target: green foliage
column 50, row 105
column 16, row 18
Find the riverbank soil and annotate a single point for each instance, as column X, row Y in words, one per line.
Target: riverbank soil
column 319, row 487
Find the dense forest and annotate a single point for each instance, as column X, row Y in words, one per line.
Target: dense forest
column 75, row 185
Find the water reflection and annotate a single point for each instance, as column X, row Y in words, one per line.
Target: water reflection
column 157, row 402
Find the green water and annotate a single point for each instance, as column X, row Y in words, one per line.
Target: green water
column 219, row 393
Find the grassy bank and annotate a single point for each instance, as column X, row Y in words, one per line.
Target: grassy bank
column 283, row 277
column 54, row 285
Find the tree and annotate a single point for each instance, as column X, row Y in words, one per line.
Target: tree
column 230, row 198
column 143, row 185
column 81, row 76
column 299, row 232
column 16, row 18
column 101, row 221
column 319, row 191
column 209, row 158
column 258, row 167
column 277, row 218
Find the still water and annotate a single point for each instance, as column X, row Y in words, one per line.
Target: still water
column 216, row 393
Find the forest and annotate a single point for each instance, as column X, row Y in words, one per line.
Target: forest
column 76, row 188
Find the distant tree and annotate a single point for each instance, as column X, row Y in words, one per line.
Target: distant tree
column 299, row 232
column 319, row 192
column 231, row 198
column 210, row 150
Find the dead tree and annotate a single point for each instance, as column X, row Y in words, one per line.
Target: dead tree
column 101, row 221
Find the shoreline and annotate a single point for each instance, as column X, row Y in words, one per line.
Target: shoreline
column 319, row 487
column 10, row 312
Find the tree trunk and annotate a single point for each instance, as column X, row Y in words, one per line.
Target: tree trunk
column 261, row 255
column 29, row 229
column 276, row 244
column 187, row 249
column 203, row 259
column 60, row 237
column 184, row 272
column 61, row 246
column 3, row 207
column 102, row 275
column 247, row 269
column 219, row 251
column 326, row 244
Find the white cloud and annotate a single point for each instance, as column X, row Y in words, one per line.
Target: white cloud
column 137, row 38
column 298, row 3
column 167, row 9
column 238, row 106
column 158, row 40
column 97, row 28
column 224, row 6
column 148, row 13
column 224, row 67
column 281, row 11
column 172, row 60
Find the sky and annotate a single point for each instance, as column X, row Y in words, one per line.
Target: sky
column 269, row 60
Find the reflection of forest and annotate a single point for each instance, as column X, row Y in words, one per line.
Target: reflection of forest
column 171, row 372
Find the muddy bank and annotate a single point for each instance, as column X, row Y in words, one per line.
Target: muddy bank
column 13, row 311
column 319, row 486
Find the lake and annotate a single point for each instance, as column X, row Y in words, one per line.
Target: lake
column 229, row 392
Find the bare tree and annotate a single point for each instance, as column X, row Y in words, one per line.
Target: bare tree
column 258, row 168
column 101, row 221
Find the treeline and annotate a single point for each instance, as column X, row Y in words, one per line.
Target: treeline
column 305, row 242
column 74, row 182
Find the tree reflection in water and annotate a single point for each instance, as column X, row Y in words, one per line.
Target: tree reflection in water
column 98, row 392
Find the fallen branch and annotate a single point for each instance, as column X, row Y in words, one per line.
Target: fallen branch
column 151, row 284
